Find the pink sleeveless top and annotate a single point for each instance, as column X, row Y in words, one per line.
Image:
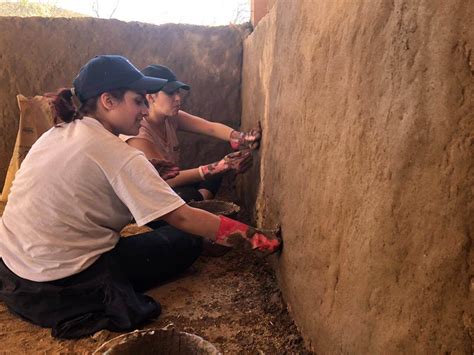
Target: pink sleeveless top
column 169, row 148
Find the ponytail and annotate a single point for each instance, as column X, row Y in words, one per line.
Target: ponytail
column 67, row 108
column 62, row 105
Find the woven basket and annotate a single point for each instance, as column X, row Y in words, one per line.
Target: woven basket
column 157, row 341
column 218, row 207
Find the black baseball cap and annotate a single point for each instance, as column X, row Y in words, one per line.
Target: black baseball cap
column 110, row 72
column 160, row 71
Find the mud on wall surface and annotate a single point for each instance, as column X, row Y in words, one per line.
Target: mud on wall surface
column 367, row 161
column 38, row 55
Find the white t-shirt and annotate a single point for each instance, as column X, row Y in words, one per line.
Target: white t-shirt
column 77, row 188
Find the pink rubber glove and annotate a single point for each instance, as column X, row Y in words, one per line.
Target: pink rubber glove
column 245, row 140
column 237, row 234
column 165, row 168
column 238, row 162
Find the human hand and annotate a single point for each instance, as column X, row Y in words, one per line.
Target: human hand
column 237, row 234
column 165, row 168
column 238, row 162
column 249, row 139
column 266, row 240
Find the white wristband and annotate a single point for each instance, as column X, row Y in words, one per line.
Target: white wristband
column 201, row 173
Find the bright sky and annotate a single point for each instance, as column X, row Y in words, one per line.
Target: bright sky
column 199, row 12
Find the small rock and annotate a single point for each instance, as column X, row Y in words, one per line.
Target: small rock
column 101, row 336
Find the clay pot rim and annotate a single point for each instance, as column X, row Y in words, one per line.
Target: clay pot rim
column 107, row 346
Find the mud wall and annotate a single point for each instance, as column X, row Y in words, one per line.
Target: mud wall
column 367, row 162
column 38, row 55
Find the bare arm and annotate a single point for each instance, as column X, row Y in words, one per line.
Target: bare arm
column 185, row 177
column 191, row 123
column 146, row 147
column 165, row 168
column 238, row 162
column 238, row 140
column 194, row 221
column 223, row 230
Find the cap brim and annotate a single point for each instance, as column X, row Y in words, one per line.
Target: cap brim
column 148, row 84
column 172, row 86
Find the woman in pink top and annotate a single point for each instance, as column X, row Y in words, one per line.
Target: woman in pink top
column 158, row 140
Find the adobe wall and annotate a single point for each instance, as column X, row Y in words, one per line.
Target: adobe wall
column 367, row 162
column 38, row 55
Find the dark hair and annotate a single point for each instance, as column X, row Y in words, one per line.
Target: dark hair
column 65, row 109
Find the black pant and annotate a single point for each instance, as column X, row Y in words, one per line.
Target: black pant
column 106, row 294
column 191, row 192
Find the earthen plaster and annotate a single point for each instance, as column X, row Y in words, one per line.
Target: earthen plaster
column 367, row 161
column 38, row 55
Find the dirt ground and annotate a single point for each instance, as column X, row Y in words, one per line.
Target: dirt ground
column 233, row 301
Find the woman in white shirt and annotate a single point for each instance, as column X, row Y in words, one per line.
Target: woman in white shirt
column 63, row 263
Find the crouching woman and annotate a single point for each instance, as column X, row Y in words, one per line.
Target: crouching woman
column 63, row 263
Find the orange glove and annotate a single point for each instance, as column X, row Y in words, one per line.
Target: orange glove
column 238, row 162
column 245, row 140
